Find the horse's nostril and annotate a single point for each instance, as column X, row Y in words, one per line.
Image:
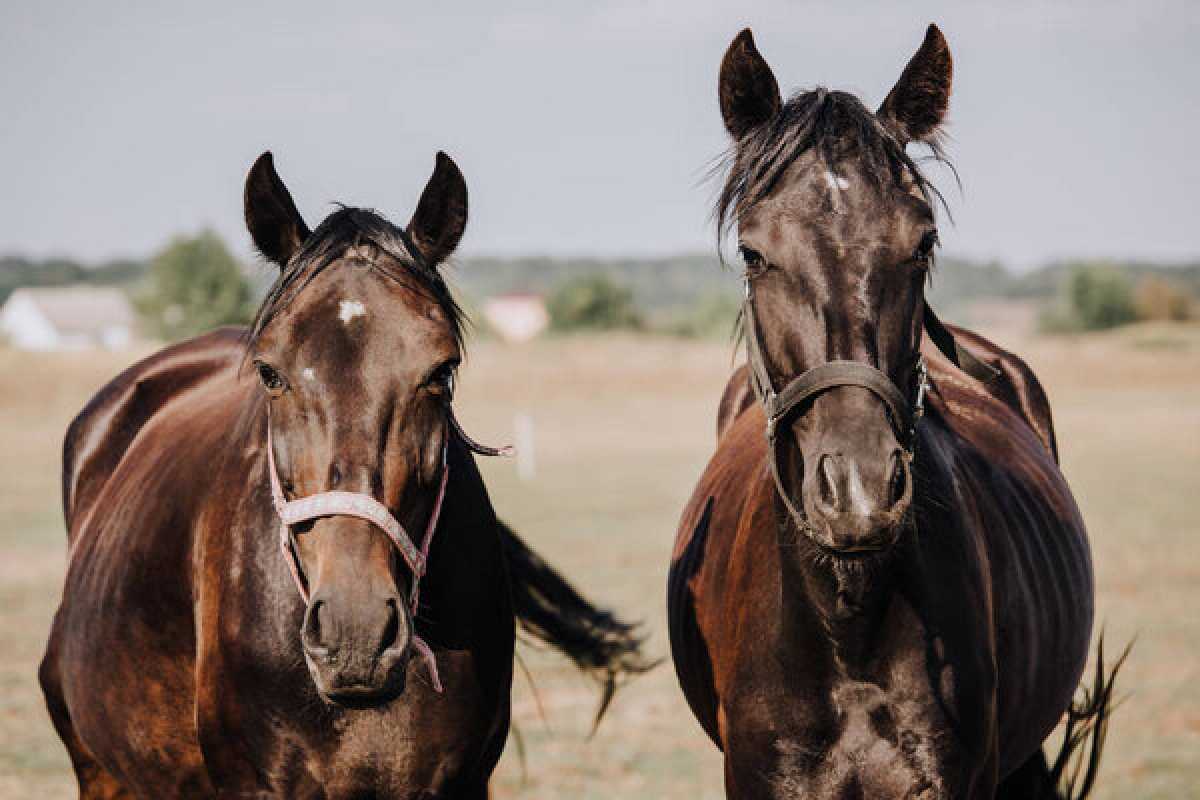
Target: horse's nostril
column 335, row 476
column 391, row 630
column 313, row 632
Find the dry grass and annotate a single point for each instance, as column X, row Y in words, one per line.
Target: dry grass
column 623, row 428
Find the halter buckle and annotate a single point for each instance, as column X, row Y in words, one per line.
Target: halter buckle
column 918, row 403
column 769, row 402
column 922, row 387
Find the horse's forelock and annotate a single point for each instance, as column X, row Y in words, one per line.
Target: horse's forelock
column 834, row 125
column 350, row 227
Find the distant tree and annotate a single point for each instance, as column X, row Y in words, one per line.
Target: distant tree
column 17, row 271
column 1099, row 297
column 192, row 286
column 1160, row 299
column 711, row 316
column 956, row 282
column 592, row 302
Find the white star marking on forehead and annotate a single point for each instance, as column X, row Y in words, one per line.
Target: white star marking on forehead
column 308, row 374
column 349, row 309
column 836, row 182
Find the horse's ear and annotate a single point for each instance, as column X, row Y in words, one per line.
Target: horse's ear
column 275, row 225
column 441, row 216
column 747, row 88
column 917, row 104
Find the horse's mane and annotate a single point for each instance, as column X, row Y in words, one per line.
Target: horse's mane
column 349, row 227
column 835, row 125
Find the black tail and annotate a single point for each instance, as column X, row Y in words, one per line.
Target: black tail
column 1074, row 770
column 550, row 610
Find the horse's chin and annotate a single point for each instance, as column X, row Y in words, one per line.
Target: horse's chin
column 356, row 695
column 852, row 579
column 817, row 546
column 362, row 697
column 850, row 560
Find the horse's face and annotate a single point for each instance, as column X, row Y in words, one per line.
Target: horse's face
column 358, row 366
column 836, row 232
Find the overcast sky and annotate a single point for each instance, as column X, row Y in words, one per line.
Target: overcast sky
column 582, row 128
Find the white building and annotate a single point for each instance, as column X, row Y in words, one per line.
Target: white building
column 517, row 317
column 69, row 318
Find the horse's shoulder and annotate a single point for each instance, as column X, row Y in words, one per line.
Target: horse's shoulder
column 725, row 488
column 1015, row 385
column 717, row 555
column 100, row 434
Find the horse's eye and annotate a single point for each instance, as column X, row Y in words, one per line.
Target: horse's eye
column 751, row 258
column 269, row 377
column 441, row 380
column 925, row 246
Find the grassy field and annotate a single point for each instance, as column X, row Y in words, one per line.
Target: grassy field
column 623, row 428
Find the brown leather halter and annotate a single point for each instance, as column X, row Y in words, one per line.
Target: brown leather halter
column 904, row 416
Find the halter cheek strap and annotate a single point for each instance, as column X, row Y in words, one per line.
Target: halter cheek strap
column 366, row 507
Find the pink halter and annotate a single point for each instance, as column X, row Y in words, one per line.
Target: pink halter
column 363, row 506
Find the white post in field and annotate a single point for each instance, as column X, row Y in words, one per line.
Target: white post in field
column 526, row 457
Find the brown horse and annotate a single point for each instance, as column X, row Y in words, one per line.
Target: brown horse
column 190, row 656
column 890, row 593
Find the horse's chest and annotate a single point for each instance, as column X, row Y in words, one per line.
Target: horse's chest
column 874, row 742
column 420, row 745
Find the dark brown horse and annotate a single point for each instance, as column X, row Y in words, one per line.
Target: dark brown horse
column 882, row 586
column 184, row 659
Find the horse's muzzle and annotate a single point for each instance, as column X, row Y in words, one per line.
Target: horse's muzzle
column 357, row 649
column 856, row 510
column 854, row 475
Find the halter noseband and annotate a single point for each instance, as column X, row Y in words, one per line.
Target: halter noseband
column 904, row 415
